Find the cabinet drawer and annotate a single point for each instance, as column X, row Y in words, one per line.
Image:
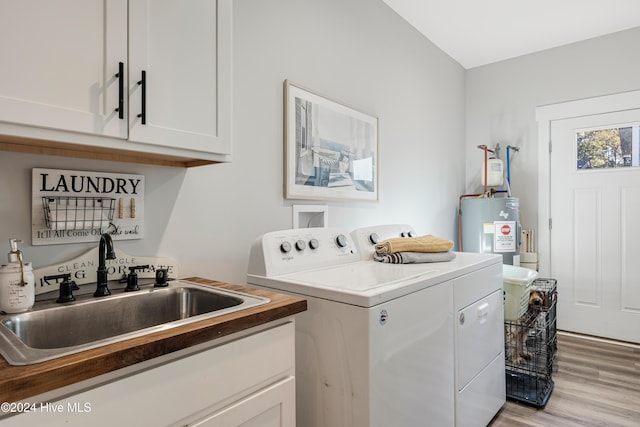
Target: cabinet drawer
column 271, row 407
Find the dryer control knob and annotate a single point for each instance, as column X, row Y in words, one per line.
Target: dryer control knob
column 285, row 247
column 301, row 245
column 410, row 234
column 314, row 244
column 374, row 238
column 341, row 240
column 404, row 234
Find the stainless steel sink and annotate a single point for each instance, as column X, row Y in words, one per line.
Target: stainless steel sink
column 53, row 330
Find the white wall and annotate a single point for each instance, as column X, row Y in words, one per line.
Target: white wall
column 357, row 51
column 502, row 97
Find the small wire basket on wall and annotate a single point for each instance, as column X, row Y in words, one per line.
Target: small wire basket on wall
column 78, row 213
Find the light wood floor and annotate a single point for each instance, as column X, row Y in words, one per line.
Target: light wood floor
column 596, row 384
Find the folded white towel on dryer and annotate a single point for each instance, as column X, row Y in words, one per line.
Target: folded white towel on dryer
column 413, row 257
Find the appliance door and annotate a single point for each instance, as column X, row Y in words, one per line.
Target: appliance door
column 411, row 353
column 480, row 377
column 479, row 336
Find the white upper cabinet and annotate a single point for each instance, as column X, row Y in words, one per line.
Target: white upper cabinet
column 59, row 60
column 182, row 48
column 61, row 89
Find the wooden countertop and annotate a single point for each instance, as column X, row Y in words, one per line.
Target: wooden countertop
column 22, row 382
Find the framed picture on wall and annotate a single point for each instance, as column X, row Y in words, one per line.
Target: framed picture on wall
column 330, row 149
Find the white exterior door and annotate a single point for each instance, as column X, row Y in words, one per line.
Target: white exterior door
column 595, row 233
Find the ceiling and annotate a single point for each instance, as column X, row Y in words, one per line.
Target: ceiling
column 479, row 32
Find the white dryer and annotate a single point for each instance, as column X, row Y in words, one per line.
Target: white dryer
column 376, row 345
column 479, row 327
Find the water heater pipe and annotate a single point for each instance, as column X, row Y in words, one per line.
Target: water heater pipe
column 460, row 217
column 486, row 160
column 510, row 147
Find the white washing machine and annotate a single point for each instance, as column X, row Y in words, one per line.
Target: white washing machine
column 479, row 328
column 376, row 345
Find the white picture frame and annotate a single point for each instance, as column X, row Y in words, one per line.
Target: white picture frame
column 331, row 149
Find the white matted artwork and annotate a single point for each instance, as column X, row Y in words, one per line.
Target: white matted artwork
column 331, row 150
column 78, row 206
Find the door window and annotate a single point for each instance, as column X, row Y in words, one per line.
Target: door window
column 608, row 148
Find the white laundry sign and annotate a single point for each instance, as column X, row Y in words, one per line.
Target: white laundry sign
column 78, row 206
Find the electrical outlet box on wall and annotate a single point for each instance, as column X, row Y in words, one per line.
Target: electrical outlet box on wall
column 310, row 216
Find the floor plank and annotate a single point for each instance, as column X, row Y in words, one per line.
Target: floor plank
column 597, row 383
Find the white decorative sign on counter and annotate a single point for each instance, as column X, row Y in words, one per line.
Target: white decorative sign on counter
column 82, row 270
column 78, row 206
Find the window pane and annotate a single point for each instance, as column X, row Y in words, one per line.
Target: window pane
column 608, row 148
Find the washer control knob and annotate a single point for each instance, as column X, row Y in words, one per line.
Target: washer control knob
column 374, row 238
column 410, row 233
column 301, row 245
column 314, row 244
column 341, row 240
column 285, row 247
column 404, row 234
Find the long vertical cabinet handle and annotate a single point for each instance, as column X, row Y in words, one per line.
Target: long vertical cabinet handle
column 143, row 83
column 120, row 77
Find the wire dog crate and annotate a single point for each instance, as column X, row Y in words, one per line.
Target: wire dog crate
column 531, row 345
column 78, row 213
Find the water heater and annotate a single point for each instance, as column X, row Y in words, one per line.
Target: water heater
column 492, row 225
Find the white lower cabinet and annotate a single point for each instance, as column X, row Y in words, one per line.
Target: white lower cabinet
column 245, row 382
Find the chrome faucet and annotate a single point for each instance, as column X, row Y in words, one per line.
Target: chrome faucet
column 105, row 252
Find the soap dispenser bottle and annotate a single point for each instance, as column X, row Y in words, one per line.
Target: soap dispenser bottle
column 17, row 283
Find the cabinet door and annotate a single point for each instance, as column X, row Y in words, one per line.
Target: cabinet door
column 184, row 50
column 271, row 407
column 59, row 61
